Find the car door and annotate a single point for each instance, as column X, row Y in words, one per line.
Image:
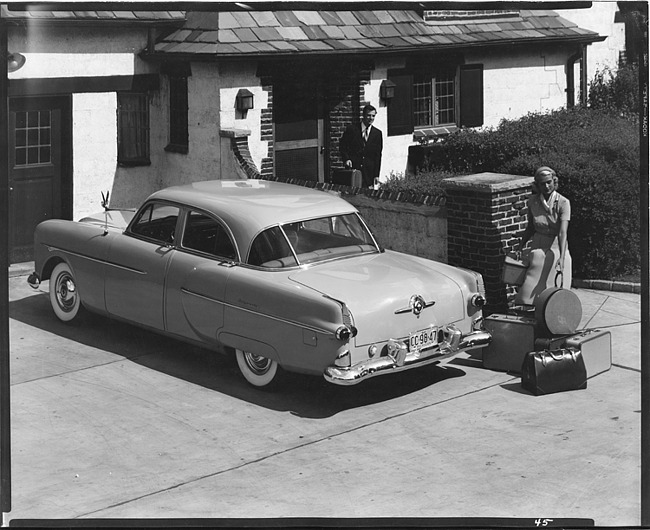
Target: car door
column 197, row 276
column 137, row 265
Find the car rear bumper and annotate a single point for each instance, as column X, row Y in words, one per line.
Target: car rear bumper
column 402, row 360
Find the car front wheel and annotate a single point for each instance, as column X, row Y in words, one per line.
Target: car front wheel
column 257, row 370
column 63, row 293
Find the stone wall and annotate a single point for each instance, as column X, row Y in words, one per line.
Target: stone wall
column 416, row 229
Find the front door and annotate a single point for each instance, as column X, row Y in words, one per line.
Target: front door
column 298, row 130
column 39, row 180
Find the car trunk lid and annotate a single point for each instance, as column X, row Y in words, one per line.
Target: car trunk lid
column 378, row 288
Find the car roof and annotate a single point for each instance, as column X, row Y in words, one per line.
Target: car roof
column 249, row 206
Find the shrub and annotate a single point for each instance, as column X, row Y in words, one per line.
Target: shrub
column 617, row 92
column 424, row 182
column 596, row 155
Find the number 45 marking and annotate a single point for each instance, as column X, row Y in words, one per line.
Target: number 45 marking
column 543, row 522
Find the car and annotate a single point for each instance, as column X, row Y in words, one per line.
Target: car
column 287, row 278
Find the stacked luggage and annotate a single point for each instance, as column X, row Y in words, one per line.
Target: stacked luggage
column 546, row 333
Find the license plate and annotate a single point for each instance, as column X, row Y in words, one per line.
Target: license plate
column 423, row 339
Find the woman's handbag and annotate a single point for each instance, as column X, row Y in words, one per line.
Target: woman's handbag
column 549, row 371
column 514, row 270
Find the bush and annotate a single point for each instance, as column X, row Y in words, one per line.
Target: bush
column 617, row 92
column 596, row 155
column 424, row 182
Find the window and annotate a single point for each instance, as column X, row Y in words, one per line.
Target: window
column 434, row 100
column 132, row 128
column 33, row 137
column 178, row 107
column 205, row 234
column 311, row 240
column 435, row 97
column 156, row 221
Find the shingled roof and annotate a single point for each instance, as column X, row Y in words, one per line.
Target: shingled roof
column 272, row 33
column 36, row 14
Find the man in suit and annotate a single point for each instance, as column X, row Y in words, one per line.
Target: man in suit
column 361, row 146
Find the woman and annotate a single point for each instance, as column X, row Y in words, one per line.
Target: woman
column 548, row 222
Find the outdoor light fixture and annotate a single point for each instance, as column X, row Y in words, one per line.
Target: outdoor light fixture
column 244, row 100
column 387, row 89
column 15, row 61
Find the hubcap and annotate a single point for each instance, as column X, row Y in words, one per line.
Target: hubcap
column 66, row 292
column 258, row 364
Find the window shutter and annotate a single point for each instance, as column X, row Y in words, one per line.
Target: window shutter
column 471, row 95
column 400, row 108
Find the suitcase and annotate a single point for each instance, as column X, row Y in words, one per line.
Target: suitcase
column 513, row 336
column 348, row 177
column 596, row 348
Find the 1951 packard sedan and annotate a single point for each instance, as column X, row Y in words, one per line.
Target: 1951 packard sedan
column 286, row 277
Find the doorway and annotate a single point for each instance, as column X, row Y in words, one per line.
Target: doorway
column 40, row 181
column 299, row 130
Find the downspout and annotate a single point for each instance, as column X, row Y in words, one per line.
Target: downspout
column 570, row 79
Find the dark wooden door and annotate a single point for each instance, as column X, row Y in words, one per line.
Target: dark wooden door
column 298, row 130
column 39, row 186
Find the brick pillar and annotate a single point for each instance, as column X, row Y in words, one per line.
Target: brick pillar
column 486, row 214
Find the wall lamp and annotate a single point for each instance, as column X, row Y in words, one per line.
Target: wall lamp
column 244, row 100
column 387, row 89
column 15, row 61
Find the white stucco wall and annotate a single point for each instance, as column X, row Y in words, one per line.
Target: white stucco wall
column 521, row 82
column 600, row 18
column 94, row 150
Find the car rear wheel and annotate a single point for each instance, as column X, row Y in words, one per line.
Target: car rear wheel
column 63, row 293
column 257, row 370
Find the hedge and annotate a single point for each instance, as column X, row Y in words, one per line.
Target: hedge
column 596, row 155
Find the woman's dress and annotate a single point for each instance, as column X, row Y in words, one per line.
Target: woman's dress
column 544, row 251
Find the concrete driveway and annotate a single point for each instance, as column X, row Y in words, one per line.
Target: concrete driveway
column 109, row 421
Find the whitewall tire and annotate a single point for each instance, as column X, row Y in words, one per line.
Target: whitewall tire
column 257, row 370
column 64, row 296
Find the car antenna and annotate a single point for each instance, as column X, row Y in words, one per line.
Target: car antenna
column 105, row 206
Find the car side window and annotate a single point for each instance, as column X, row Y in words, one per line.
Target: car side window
column 271, row 250
column 205, row 234
column 157, row 221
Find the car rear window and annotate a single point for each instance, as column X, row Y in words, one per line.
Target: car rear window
column 303, row 242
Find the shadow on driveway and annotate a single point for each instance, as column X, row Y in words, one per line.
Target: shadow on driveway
column 301, row 395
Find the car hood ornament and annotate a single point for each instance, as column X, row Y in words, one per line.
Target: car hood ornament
column 416, row 305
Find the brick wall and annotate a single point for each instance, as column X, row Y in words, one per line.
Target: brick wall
column 486, row 213
column 266, row 128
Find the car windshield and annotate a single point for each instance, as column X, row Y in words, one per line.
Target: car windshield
column 302, row 242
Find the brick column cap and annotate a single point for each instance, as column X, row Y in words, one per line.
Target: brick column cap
column 487, row 182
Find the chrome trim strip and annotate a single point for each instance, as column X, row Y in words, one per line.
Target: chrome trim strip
column 277, row 319
column 96, row 260
column 386, row 365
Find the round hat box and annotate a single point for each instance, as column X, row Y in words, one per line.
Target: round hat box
column 558, row 311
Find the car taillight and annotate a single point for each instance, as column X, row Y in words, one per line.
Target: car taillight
column 345, row 333
column 478, row 300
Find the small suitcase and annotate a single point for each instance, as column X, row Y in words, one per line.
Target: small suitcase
column 348, row 177
column 596, row 348
column 513, row 336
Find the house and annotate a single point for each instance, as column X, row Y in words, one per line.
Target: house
column 129, row 102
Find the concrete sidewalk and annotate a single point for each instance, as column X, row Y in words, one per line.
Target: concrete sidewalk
column 109, row 421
